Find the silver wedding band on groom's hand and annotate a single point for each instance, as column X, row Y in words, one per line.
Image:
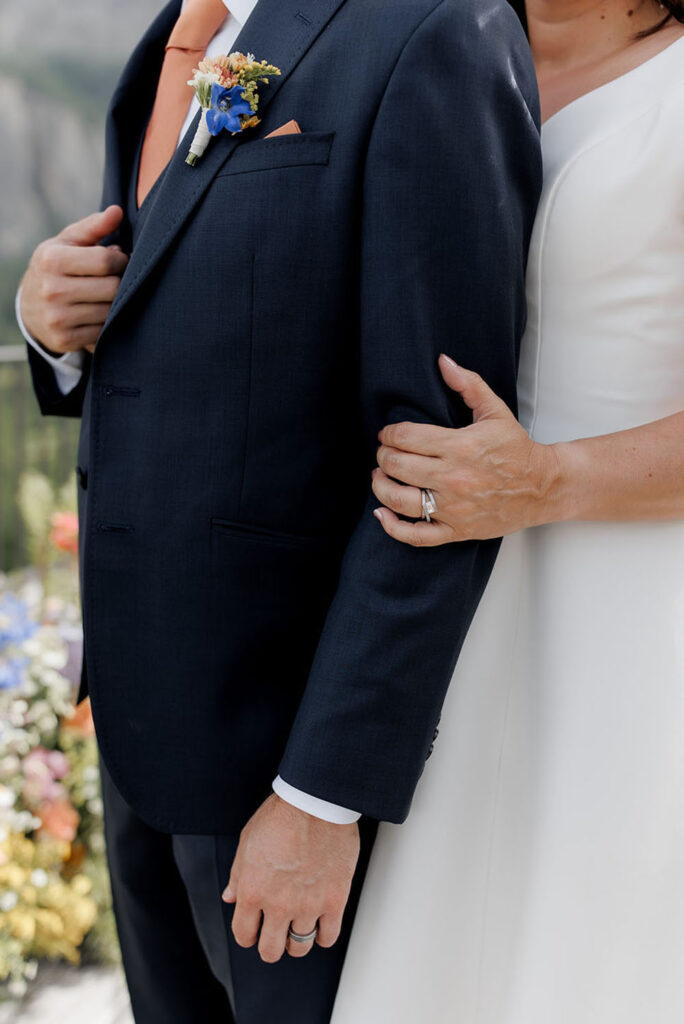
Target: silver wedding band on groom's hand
column 429, row 504
column 302, row 938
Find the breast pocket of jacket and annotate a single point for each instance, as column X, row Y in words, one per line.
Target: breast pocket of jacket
column 298, row 150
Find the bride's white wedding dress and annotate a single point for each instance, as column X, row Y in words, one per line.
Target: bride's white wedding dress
column 540, row 876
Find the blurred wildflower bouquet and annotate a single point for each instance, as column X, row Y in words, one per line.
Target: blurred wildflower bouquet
column 54, row 896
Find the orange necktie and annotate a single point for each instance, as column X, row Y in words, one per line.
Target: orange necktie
column 197, row 25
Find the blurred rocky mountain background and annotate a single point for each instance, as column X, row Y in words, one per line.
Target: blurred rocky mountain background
column 59, row 62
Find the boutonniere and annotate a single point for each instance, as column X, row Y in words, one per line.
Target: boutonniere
column 227, row 90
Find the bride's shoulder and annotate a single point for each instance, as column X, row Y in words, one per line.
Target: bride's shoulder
column 668, row 136
column 672, row 52
column 660, row 77
column 673, row 81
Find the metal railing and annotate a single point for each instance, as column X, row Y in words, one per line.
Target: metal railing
column 28, row 441
column 12, row 354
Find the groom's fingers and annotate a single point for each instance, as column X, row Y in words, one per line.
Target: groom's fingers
column 273, row 938
column 407, row 501
column 89, row 314
column 246, row 923
column 92, row 229
column 329, row 927
column 76, row 290
column 92, row 261
column 418, row 535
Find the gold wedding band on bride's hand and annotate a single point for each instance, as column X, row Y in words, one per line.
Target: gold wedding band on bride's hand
column 428, row 503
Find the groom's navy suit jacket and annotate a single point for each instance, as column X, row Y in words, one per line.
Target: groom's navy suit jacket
column 244, row 612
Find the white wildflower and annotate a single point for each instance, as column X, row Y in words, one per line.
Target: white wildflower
column 9, row 765
column 7, row 797
column 97, row 843
column 17, row 988
column 8, row 900
column 55, row 658
column 206, row 78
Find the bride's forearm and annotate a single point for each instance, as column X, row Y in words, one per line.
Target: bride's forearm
column 634, row 474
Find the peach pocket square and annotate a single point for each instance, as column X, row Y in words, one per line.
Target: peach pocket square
column 291, row 128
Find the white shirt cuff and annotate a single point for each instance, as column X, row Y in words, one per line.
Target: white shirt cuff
column 313, row 804
column 68, row 368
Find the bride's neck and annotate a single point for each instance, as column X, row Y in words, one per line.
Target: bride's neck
column 571, row 33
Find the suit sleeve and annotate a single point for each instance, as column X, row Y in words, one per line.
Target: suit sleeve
column 58, row 384
column 451, row 184
column 51, row 400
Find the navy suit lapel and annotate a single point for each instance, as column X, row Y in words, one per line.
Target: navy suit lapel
column 279, row 31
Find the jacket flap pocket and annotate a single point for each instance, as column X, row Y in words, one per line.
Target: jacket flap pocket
column 280, row 151
column 266, row 535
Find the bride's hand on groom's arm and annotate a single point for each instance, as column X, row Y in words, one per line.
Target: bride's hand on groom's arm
column 291, row 870
column 489, row 479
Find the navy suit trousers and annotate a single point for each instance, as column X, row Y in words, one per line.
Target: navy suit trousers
column 181, row 961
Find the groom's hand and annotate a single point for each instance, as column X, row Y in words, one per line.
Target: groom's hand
column 296, row 871
column 70, row 284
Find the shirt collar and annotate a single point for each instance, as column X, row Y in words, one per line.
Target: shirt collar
column 240, row 9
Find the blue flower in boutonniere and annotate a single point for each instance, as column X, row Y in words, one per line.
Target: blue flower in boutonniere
column 226, row 107
column 227, row 91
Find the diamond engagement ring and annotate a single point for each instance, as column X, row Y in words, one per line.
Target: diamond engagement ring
column 429, row 504
column 302, row 938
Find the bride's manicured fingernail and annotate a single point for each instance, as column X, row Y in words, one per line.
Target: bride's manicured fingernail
column 448, row 359
column 378, row 514
column 228, row 895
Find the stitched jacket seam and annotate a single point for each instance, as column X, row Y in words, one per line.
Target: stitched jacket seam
column 397, row 62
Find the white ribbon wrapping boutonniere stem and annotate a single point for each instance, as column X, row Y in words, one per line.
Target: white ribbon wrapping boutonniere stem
column 200, row 141
column 226, row 88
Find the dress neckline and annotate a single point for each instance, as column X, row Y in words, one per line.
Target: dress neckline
column 614, row 83
column 611, row 106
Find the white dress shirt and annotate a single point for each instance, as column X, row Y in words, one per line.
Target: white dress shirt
column 68, row 368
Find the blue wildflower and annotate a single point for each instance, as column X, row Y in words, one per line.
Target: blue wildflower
column 226, row 107
column 15, row 624
column 12, row 673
